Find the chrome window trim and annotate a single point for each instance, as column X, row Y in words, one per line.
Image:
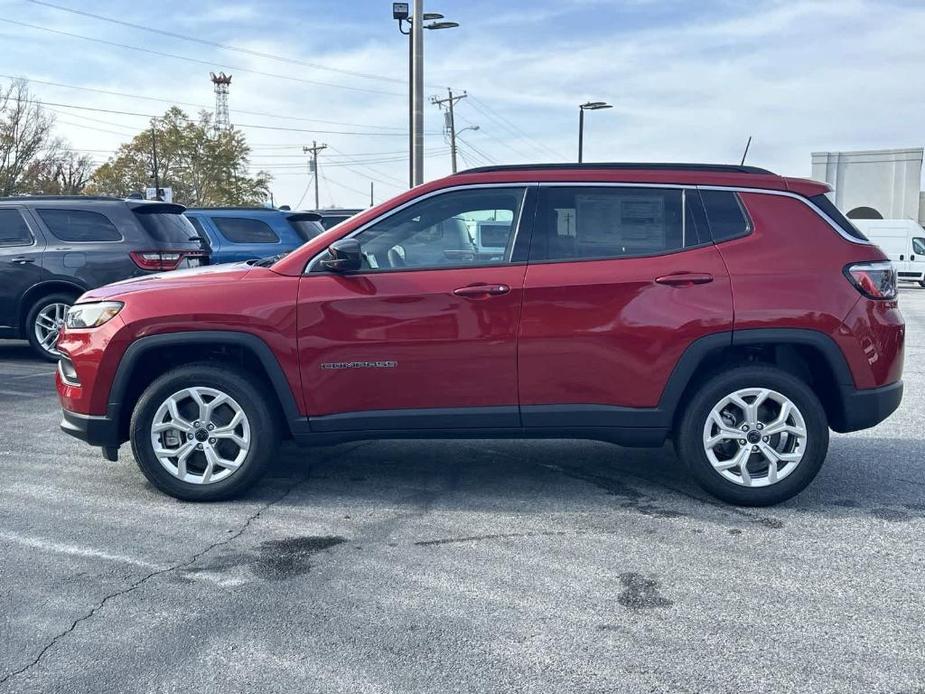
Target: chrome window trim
column 787, row 194
column 525, row 186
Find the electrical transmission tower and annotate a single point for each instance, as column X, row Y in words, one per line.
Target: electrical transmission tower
column 222, row 82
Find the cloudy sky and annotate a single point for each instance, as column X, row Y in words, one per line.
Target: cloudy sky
column 689, row 81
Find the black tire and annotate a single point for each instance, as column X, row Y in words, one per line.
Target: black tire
column 922, row 283
column 32, row 314
column 254, row 401
column 690, row 444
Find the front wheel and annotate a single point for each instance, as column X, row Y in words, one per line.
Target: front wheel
column 754, row 436
column 203, row 433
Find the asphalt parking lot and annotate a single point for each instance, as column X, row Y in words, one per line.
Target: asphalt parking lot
column 459, row 566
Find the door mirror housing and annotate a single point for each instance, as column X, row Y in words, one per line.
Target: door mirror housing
column 344, row 256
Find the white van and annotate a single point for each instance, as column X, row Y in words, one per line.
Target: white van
column 903, row 240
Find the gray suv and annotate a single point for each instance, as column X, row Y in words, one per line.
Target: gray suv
column 54, row 248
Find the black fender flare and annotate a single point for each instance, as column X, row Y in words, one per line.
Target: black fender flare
column 254, row 344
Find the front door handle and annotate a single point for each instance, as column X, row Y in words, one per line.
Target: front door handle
column 685, row 279
column 21, row 261
column 482, row 290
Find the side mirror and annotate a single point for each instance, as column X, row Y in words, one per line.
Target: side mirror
column 345, row 256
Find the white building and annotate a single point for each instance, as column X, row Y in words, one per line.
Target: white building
column 875, row 184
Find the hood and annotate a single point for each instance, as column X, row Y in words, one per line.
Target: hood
column 173, row 279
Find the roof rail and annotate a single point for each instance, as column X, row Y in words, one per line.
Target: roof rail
column 252, row 208
column 26, row 198
column 625, row 166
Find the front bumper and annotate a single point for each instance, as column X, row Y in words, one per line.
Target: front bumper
column 97, row 430
column 862, row 409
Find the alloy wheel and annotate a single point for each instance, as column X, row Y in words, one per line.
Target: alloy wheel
column 48, row 324
column 755, row 437
column 200, row 435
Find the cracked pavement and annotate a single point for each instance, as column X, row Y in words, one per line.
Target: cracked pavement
column 415, row 566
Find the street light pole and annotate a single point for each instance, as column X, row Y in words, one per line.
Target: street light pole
column 402, row 12
column 588, row 106
column 581, row 132
column 417, row 91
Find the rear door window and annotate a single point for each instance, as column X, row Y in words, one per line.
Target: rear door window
column 79, row 226
column 588, row 222
column 243, row 230
column 725, row 214
column 307, row 229
column 13, row 229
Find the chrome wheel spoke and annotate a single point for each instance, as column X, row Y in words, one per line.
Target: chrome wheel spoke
column 210, row 465
column 774, row 449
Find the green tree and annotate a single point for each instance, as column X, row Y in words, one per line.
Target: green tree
column 204, row 167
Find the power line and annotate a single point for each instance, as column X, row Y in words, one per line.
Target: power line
column 195, row 60
column 174, row 102
column 237, row 125
column 511, row 127
column 215, row 44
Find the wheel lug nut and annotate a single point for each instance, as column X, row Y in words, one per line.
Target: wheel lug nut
column 211, row 440
column 198, row 446
column 189, row 436
column 760, row 425
column 742, row 442
column 210, row 427
column 745, row 427
column 196, row 423
column 754, row 448
column 767, row 438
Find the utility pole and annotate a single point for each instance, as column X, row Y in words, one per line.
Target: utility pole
column 450, row 101
column 314, row 149
column 157, row 180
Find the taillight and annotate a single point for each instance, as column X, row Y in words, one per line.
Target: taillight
column 157, row 260
column 875, row 280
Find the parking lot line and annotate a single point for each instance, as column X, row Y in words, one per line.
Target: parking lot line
column 91, row 553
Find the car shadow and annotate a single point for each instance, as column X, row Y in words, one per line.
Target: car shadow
column 863, row 477
column 19, row 351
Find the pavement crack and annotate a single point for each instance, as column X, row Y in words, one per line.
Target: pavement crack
column 154, row 574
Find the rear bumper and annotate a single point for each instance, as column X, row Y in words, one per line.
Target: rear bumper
column 862, row 409
column 97, row 430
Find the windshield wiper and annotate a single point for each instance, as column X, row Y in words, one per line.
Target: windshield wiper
column 266, row 262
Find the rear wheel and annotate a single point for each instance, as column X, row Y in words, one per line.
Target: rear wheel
column 754, row 436
column 44, row 321
column 203, row 433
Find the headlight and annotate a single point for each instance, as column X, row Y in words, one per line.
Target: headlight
column 92, row 315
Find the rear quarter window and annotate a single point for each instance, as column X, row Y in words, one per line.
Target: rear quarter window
column 243, row 230
column 832, row 212
column 725, row 214
column 79, row 226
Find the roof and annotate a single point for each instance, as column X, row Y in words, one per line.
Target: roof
column 235, row 208
column 623, row 166
column 65, row 198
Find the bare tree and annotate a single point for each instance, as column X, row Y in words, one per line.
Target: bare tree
column 25, row 136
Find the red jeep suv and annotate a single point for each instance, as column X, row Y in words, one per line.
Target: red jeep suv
column 732, row 310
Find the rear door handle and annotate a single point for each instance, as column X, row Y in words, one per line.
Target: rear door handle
column 22, row 261
column 685, row 279
column 482, row 290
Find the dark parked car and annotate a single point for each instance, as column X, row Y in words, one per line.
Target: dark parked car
column 736, row 312
column 246, row 233
column 53, row 249
column 335, row 215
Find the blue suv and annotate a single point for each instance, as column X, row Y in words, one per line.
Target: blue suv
column 234, row 234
